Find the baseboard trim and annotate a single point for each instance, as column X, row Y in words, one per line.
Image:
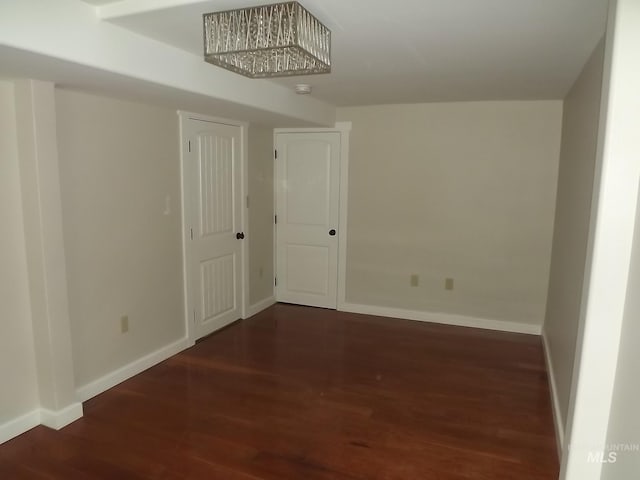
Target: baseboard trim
column 442, row 318
column 19, row 425
column 555, row 402
column 112, row 379
column 40, row 416
column 61, row 418
column 260, row 306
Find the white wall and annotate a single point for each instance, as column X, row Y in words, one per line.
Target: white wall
column 453, row 190
column 571, row 231
column 17, row 356
column 624, row 421
column 597, row 395
column 119, row 161
column 44, row 246
column 260, row 213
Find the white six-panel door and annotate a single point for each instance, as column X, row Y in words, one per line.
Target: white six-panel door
column 307, row 209
column 214, row 185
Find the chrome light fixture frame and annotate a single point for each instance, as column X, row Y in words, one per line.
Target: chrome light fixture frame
column 276, row 40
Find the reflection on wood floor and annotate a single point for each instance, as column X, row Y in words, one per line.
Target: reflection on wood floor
column 303, row 393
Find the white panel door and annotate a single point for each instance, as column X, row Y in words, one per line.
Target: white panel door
column 307, row 209
column 216, row 230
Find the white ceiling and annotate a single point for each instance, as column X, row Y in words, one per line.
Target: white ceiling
column 410, row 51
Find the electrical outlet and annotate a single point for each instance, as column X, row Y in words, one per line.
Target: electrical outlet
column 414, row 280
column 448, row 284
column 124, row 324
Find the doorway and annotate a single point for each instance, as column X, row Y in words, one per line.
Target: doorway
column 310, row 206
column 214, row 186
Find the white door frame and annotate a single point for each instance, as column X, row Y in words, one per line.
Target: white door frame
column 189, row 298
column 344, row 129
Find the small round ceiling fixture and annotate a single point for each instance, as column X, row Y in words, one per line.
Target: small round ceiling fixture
column 303, row 89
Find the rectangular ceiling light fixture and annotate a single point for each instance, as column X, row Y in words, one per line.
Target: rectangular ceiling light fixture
column 268, row 41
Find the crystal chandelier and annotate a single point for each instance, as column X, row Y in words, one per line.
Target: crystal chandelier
column 268, row 41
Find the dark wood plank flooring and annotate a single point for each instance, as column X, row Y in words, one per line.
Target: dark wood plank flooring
column 302, row 393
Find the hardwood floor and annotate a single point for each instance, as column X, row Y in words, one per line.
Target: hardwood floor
column 302, row 393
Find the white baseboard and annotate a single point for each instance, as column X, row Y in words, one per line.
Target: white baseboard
column 555, row 403
column 40, row 416
column 443, row 318
column 260, row 306
column 60, row 418
column 19, row 425
column 112, row 379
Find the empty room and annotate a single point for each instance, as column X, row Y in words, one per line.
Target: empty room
column 319, row 239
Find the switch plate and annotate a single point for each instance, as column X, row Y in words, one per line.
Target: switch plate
column 124, row 324
column 448, row 284
column 414, row 280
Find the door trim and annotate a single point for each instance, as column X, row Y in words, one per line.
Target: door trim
column 189, row 302
column 344, row 129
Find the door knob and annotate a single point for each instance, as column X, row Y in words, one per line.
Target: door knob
column 240, row 235
column 332, row 232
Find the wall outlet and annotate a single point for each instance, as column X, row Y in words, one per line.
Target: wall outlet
column 414, row 280
column 448, row 284
column 124, row 324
